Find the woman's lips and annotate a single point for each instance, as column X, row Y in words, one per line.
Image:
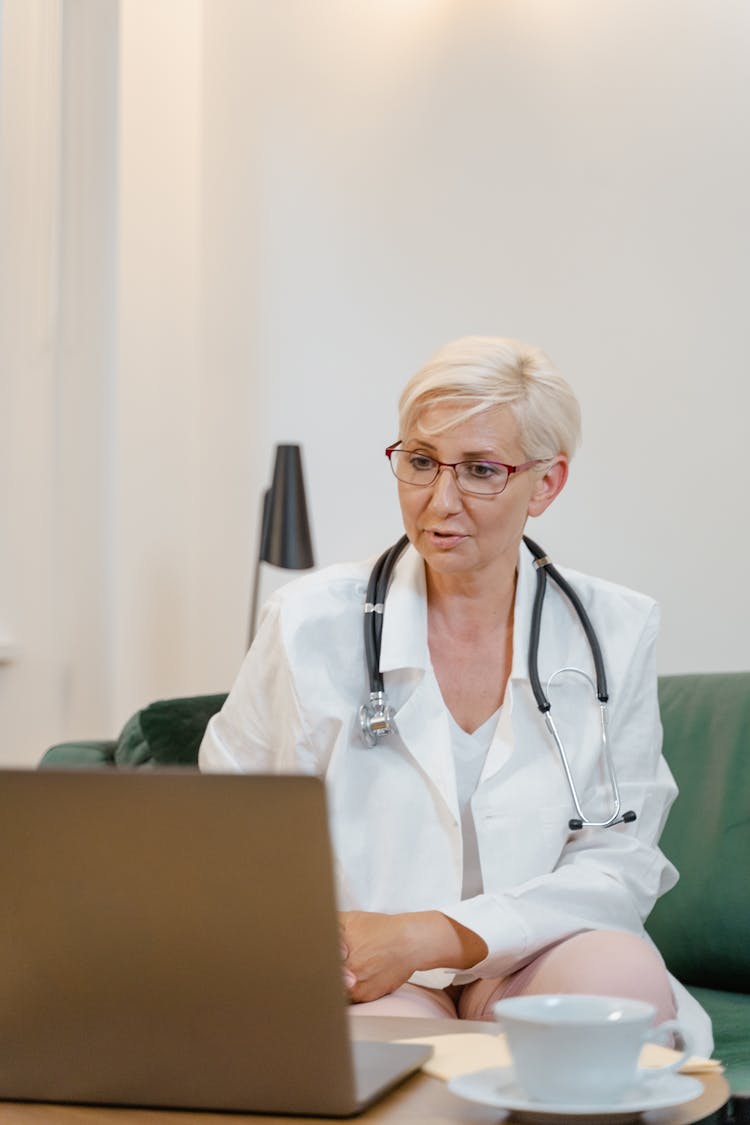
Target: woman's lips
column 445, row 539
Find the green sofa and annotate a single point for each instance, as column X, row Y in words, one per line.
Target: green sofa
column 702, row 927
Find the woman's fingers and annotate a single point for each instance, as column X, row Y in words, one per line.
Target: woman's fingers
column 348, row 976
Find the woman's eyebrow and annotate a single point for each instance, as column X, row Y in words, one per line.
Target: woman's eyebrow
column 467, row 455
column 420, row 442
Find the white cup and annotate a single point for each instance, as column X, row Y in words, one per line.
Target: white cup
column 582, row 1050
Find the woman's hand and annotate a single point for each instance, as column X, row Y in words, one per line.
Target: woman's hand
column 383, row 950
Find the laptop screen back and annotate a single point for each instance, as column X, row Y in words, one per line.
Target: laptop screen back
column 170, row 939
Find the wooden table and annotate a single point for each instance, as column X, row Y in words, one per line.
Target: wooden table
column 421, row 1100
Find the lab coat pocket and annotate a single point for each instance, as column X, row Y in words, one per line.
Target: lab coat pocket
column 516, row 847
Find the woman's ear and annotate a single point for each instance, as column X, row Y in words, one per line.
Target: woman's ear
column 549, row 485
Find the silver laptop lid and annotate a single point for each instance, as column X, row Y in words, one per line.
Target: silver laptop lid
column 170, row 939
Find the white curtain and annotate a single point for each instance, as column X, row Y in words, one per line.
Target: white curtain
column 57, row 282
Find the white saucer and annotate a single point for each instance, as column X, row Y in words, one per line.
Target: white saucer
column 496, row 1086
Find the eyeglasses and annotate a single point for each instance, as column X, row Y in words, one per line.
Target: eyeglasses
column 478, row 478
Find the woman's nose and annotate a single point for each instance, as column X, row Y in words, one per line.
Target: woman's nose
column 446, row 495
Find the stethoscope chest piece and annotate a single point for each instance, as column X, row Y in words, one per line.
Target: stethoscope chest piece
column 375, row 718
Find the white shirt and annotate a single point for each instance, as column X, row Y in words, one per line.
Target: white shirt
column 394, row 810
column 469, row 754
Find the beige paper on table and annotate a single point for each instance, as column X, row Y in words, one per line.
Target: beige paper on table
column 454, row 1055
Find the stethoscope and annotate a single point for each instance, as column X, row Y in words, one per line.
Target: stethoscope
column 376, row 716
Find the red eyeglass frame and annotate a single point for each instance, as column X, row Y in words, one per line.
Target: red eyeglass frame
column 511, row 469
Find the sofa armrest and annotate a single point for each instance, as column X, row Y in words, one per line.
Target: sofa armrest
column 82, row 755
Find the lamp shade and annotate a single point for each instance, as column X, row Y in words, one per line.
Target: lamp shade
column 285, row 536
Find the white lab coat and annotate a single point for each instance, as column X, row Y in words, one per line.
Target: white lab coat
column 395, row 820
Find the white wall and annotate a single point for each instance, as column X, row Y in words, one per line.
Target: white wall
column 57, row 213
column 234, row 223
column 85, row 353
column 30, row 204
column 156, row 422
column 576, row 175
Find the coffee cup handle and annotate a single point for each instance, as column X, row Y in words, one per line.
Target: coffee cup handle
column 658, row 1035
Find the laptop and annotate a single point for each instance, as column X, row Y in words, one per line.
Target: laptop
column 170, row 939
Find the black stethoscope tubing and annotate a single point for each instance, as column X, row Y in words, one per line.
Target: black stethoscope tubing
column 376, row 716
column 377, row 587
column 544, row 566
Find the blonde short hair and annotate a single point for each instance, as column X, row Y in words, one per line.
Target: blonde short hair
column 476, row 373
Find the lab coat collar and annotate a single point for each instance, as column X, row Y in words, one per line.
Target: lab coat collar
column 525, row 590
column 421, row 719
column 404, row 640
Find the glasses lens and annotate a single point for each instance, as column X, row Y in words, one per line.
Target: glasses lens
column 483, row 478
column 413, row 468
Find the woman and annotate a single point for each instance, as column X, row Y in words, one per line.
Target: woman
column 460, row 879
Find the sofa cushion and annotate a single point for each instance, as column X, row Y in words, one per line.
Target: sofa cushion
column 702, row 927
column 166, row 733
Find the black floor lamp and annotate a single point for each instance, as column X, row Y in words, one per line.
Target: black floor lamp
column 285, row 530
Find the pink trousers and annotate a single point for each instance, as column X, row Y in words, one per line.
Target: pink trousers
column 603, row 962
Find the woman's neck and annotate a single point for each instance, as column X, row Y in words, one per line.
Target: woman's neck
column 478, row 601
column 470, row 638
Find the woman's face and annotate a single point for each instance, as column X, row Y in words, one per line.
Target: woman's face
column 454, row 531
